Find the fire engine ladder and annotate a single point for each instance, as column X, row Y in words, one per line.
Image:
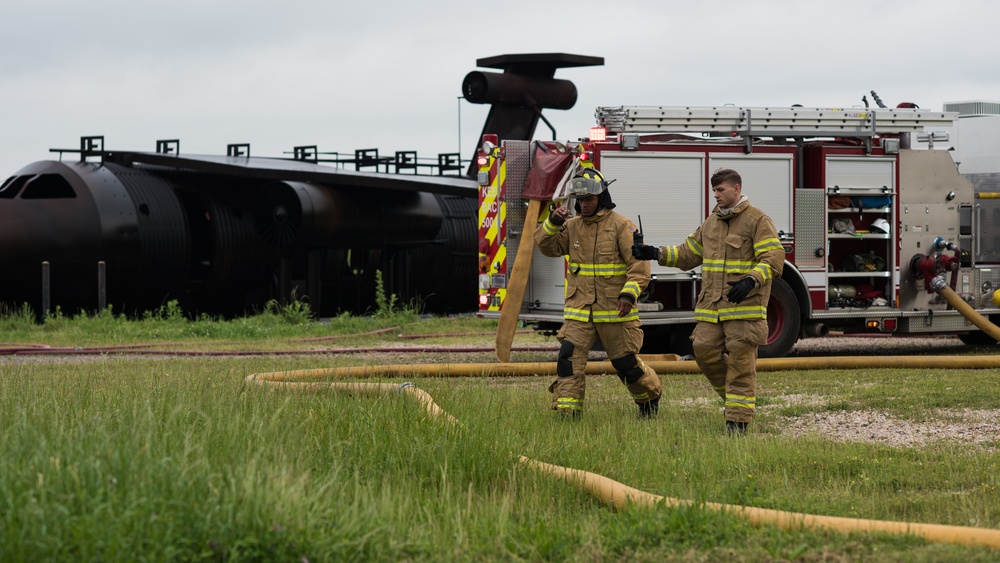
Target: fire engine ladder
column 775, row 122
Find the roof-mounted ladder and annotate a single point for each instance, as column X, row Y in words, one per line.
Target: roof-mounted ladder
column 751, row 122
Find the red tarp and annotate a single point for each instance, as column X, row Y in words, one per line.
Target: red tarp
column 547, row 168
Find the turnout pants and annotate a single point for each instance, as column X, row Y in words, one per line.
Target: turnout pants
column 622, row 342
column 726, row 352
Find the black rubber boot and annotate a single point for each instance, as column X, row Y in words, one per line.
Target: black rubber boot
column 649, row 408
column 734, row 428
column 570, row 414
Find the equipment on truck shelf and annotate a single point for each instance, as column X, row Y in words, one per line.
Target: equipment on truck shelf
column 866, row 221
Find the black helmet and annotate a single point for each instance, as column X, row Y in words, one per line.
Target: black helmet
column 586, row 182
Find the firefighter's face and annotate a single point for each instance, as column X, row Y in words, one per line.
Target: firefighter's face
column 727, row 194
column 588, row 205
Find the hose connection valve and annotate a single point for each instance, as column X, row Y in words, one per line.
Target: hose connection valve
column 941, row 244
column 938, row 283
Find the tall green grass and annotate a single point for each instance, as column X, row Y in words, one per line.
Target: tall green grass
column 119, row 458
column 275, row 325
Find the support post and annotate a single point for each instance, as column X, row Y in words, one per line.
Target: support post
column 102, row 287
column 46, row 290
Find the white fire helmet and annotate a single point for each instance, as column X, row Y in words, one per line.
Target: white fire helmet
column 880, row 225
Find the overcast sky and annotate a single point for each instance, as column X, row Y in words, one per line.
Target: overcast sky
column 387, row 75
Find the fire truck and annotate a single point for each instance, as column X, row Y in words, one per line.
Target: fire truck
column 867, row 219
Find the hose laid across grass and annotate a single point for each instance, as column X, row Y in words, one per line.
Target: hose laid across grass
column 620, row 496
column 615, row 494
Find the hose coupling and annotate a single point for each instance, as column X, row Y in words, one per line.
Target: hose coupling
column 941, row 244
column 405, row 386
column 938, row 283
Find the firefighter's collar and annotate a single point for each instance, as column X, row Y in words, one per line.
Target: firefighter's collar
column 597, row 216
column 727, row 211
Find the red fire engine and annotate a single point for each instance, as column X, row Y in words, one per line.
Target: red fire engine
column 866, row 220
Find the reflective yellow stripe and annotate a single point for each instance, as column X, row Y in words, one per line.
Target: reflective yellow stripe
column 764, row 270
column 766, row 245
column 738, row 266
column 550, row 228
column 707, row 315
column 745, row 312
column 569, row 403
column 640, row 397
column 669, row 255
column 598, row 269
column 731, row 313
column 584, row 315
column 612, row 316
column 695, row 246
column 741, row 401
column 631, row 288
column 727, row 266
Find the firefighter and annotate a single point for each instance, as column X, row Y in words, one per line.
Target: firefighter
column 603, row 283
column 739, row 253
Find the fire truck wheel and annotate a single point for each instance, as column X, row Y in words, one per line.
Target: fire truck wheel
column 672, row 339
column 655, row 339
column 976, row 338
column 783, row 321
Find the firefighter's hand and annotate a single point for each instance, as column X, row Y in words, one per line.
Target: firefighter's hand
column 740, row 289
column 624, row 307
column 559, row 215
column 645, row 252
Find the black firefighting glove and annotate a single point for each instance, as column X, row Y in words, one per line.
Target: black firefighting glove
column 740, row 289
column 645, row 252
column 559, row 218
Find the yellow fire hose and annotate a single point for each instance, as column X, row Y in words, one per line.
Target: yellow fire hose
column 657, row 362
column 620, row 496
column 939, row 285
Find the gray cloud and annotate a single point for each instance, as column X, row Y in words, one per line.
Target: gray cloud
column 346, row 76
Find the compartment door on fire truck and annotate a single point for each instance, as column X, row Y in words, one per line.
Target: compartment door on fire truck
column 664, row 189
column 547, row 284
column 767, row 183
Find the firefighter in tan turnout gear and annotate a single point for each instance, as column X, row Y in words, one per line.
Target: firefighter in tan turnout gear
column 739, row 252
column 603, row 283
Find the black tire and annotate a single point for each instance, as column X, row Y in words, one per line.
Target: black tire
column 667, row 339
column 680, row 340
column 784, row 320
column 977, row 338
column 655, row 339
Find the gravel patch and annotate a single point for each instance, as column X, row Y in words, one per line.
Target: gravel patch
column 967, row 426
column 976, row 427
column 879, row 345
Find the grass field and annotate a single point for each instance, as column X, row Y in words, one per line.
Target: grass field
column 121, row 456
